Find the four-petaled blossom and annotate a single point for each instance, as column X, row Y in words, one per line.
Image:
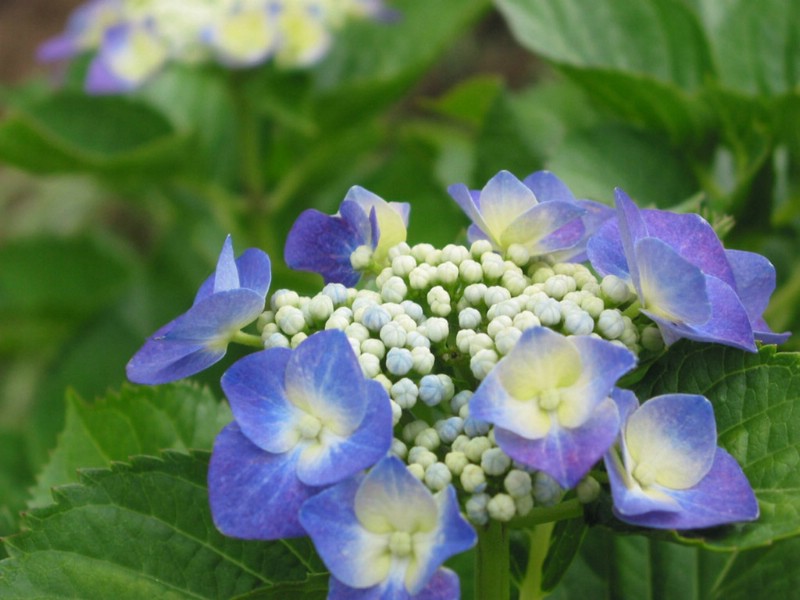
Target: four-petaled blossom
column 668, row 472
column 230, row 299
column 384, row 535
column 324, row 244
column 304, row 419
column 686, row 281
column 550, row 401
column 507, row 211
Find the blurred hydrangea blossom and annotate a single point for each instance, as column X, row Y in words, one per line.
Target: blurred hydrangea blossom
column 134, row 39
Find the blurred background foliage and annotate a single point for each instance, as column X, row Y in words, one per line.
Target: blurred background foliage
column 114, row 208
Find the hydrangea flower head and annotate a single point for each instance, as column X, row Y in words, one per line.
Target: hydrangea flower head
column 686, row 281
column 668, row 472
column 230, row 299
column 304, row 419
column 550, row 401
column 135, row 39
column 385, row 535
column 324, row 244
column 507, row 211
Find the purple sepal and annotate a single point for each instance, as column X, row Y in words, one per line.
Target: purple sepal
column 566, row 454
column 254, row 494
column 444, row 585
column 100, row 79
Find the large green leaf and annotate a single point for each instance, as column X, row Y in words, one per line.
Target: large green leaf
column 756, row 399
column 142, row 530
column 102, row 134
column 137, row 420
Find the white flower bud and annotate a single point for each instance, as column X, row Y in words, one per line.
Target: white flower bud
column 416, row 339
column 518, row 254
column 393, row 308
column 439, row 301
column 593, row 288
column 431, row 390
column 651, row 339
column 610, row 324
column 411, row 430
column 357, row 331
column 456, row 461
column 434, row 257
column 447, row 273
column 421, row 456
column 470, row 271
column 460, row 443
column 265, row 318
column 525, row 320
column 524, row 505
column 469, row 318
column 587, row 490
column 365, row 298
column 496, row 294
column 436, row 329
column 476, row 509
column 320, row 307
column 514, row 283
column 276, row 340
column 480, row 247
column 423, row 359
column 400, row 249
column 449, row 429
column 463, row 412
column 413, row 310
column 297, row 339
column 438, row 476
column 399, row 361
column 374, row 317
column 630, row 335
column 501, row 508
column 393, row 335
column 474, row 293
column 506, row 308
column 394, row 289
column 546, row 490
column 578, row 322
column 483, row 362
column 480, row 341
column 420, row 277
column 268, row 330
column 506, row 339
column 421, row 251
column 370, row 365
column 459, row 400
column 455, row 254
column 518, row 483
column 361, row 257
column 542, row 274
column 283, row 298
column 397, row 411
column 497, row 324
column 476, row 447
column 428, row 438
column 493, row 266
column 559, row 285
column 398, row 449
column 475, row 427
column 494, row 461
column 615, row 289
column 374, row 347
column 336, row 292
column 403, row 265
column 548, row 312
column 290, row 320
column 417, row 471
column 404, row 392
column 473, row 479
column 593, row 305
column 463, row 339
column 385, row 382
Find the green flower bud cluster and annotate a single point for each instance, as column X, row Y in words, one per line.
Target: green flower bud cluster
column 430, row 327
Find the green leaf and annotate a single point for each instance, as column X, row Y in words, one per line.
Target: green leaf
column 103, row 134
column 755, row 398
column 641, row 59
column 315, row 587
column 756, row 45
column 769, row 572
column 137, row 420
column 142, row 530
column 595, row 161
column 565, row 542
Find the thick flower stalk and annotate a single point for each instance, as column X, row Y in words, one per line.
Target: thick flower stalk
column 133, row 39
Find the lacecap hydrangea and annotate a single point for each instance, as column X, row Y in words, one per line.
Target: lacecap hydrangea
column 132, row 40
column 472, row 384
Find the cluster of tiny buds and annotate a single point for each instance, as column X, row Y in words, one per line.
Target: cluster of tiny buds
column 432, row 326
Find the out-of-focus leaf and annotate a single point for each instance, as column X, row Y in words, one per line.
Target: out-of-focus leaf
column 110, row 135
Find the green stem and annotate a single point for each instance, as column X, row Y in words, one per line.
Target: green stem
column 531, row 588
column 633, row 310
column 568, row 509
column 248, row 339
column 493, row 563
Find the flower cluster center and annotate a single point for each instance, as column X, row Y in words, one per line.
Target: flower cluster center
column 309, row 427
column 400, row 543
